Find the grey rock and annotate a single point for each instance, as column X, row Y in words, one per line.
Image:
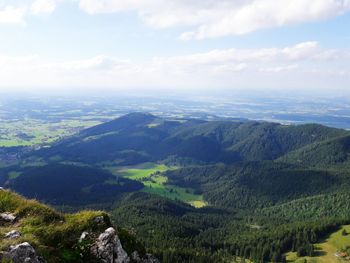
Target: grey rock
column 135, row 257
column 108, row 248
column 7, row 217
column 83, row 236
column 99, row 220
column 149, row 258
column 23, row 253
column 13, row 234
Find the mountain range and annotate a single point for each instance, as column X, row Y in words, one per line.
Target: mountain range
column 264, row 185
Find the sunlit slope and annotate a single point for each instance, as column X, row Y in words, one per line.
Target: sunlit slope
column 326, row 252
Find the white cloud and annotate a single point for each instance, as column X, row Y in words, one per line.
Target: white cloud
column 303, row 51
column 217, row 18
column 258, row 14
column 230, row 68
column 7, row 62
column 12, row 15
column 102, row 63
column 40, row 7
column 203, row 18
column 16, row 12
column 279, row 69
column 304, row 64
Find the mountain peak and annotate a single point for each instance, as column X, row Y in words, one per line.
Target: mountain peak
column 137, row 117
column 124, row 122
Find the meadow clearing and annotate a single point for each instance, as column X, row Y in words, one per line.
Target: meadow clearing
column 325, row 251
column 150, row 175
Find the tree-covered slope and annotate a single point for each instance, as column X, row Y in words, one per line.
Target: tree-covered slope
column 178, row 233
column 257, row 184
column 269, row 141
column 61, row 184
column 140, row 137
column 174, row 231
column 321, row 154
column 335, row 205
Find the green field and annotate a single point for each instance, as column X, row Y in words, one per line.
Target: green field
column 31, row 132
column 13, row 174
column 142, row 171
column 156, row 183
column 325, row 251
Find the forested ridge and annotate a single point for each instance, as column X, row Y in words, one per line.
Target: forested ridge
column 131, row 139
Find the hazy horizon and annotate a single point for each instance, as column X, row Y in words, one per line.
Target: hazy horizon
column 226, row 94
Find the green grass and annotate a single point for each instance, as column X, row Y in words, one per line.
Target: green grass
column 13, row 174
column 38, row 132
column 338, row 240
column 156, row 183
column 325, row 250
column 142, row 171
column 50, row 232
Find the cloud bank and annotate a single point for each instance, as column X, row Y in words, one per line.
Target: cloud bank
column 222, row 68
column 218, row 18
column 203, row 18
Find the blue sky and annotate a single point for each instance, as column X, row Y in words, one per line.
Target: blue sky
column 175, row 44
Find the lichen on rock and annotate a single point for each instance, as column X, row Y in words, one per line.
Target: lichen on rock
column 108, row 248
column 22, row 253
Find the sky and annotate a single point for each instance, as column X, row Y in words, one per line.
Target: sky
column 266, row 45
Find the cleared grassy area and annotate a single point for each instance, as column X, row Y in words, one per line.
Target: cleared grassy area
column 156, row 183
column 325, row 251
column 142, row 171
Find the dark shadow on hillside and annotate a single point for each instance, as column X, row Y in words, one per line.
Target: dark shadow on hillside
column 319, row 253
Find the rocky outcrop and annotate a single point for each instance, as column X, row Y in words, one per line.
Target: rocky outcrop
column 7, row 218
column 22, row 253
column 108, row 248
column 83, row 236
column 99, row 220
column 87, row 235
column 148, row 258
column 13, row 234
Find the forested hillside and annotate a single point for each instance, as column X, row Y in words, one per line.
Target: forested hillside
column 257, row 184
column 321, row 154
column 132, row 139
